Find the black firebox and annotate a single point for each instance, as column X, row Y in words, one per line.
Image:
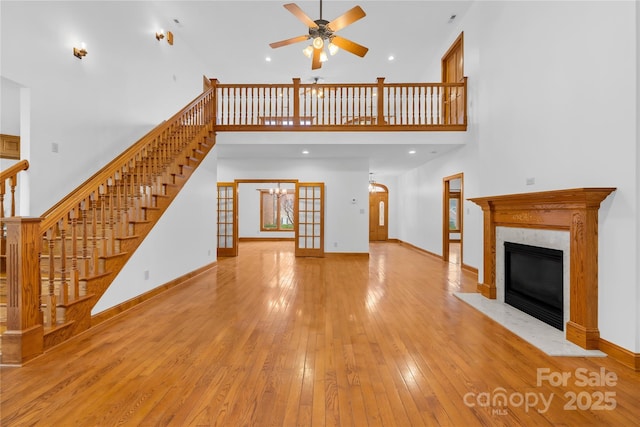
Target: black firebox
column 533, row 281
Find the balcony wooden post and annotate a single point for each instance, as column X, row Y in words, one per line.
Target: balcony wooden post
column 380, row 97
column 214, row 103
column 464, row 100
column 24, row 336
column 296, row 101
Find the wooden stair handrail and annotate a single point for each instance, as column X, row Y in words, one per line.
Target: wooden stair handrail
column 13, row 170
column 79, row 193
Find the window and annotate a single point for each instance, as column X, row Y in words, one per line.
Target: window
column 276, row 211
column 454, row 211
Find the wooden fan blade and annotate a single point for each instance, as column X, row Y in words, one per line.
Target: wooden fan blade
column 350, row 46
column 288, row 41
column 295, row 9
column 315, row 62
column 347, row 18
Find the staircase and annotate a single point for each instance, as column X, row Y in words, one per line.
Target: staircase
column 86, row 238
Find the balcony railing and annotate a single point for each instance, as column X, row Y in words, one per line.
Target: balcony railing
column 341, row 107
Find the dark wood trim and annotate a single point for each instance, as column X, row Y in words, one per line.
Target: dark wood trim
column 575, row 210
column 446, row 194
column 9, row 146
column 620, row 354
column 470, row 269
column 349, row 254
column 341, row 128
column 269, row 239
column 122, row 307
column 416, row 248
column 457, row 44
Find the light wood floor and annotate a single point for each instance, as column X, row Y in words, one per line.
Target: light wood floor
column 266, row 339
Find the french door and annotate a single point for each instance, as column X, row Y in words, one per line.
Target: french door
column 309, row 213
column 227, row 219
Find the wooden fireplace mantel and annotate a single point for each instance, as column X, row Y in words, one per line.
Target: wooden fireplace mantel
column 574, row 210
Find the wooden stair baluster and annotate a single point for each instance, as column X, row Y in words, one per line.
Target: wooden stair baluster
column 86, row 258
column 49, row 296
column 121, row 207
column 111, row 218
column 94, row 234
column 63, row 293
column 74, row 274
column 103, row 221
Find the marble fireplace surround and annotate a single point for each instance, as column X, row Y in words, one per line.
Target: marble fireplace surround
column 573, row 210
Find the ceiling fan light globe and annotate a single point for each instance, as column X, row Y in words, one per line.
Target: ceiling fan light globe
column 323, row 56
column 308, row 51
column 333, row 49
column 318, row 43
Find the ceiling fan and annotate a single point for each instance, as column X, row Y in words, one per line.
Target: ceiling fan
column 323, row 32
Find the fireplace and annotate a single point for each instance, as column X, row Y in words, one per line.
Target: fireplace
column 574, row 210
column 534, row 281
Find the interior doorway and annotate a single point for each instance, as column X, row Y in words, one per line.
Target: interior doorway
column 271, row 210
column 452, row 224
column 378, row 212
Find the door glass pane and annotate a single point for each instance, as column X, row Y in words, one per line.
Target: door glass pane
column 453, row 214
column 381, row 214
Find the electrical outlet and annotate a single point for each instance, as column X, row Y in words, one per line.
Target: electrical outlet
column 54, row 147
column 531, row 181
column 146, row 275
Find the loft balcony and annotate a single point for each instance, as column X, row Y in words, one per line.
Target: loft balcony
column 324, row 107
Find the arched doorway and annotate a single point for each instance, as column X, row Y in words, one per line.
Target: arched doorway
column 378, row 212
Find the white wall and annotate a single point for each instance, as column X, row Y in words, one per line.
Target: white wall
column 182, row 241
column 637, row 221
column 346, row 223
column 539, row 108
column 109, row 86
column 9, row 107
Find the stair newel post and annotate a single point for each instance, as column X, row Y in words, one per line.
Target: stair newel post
column 73, row 278
column 24, row 337
column 49, row 297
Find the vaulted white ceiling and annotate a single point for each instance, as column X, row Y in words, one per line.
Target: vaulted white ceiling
column 229, row 40
column 232, row 39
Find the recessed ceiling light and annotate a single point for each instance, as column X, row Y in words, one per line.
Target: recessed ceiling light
column 412, row 151
column 305, row 151
column 268, row 59
column 391, row 58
